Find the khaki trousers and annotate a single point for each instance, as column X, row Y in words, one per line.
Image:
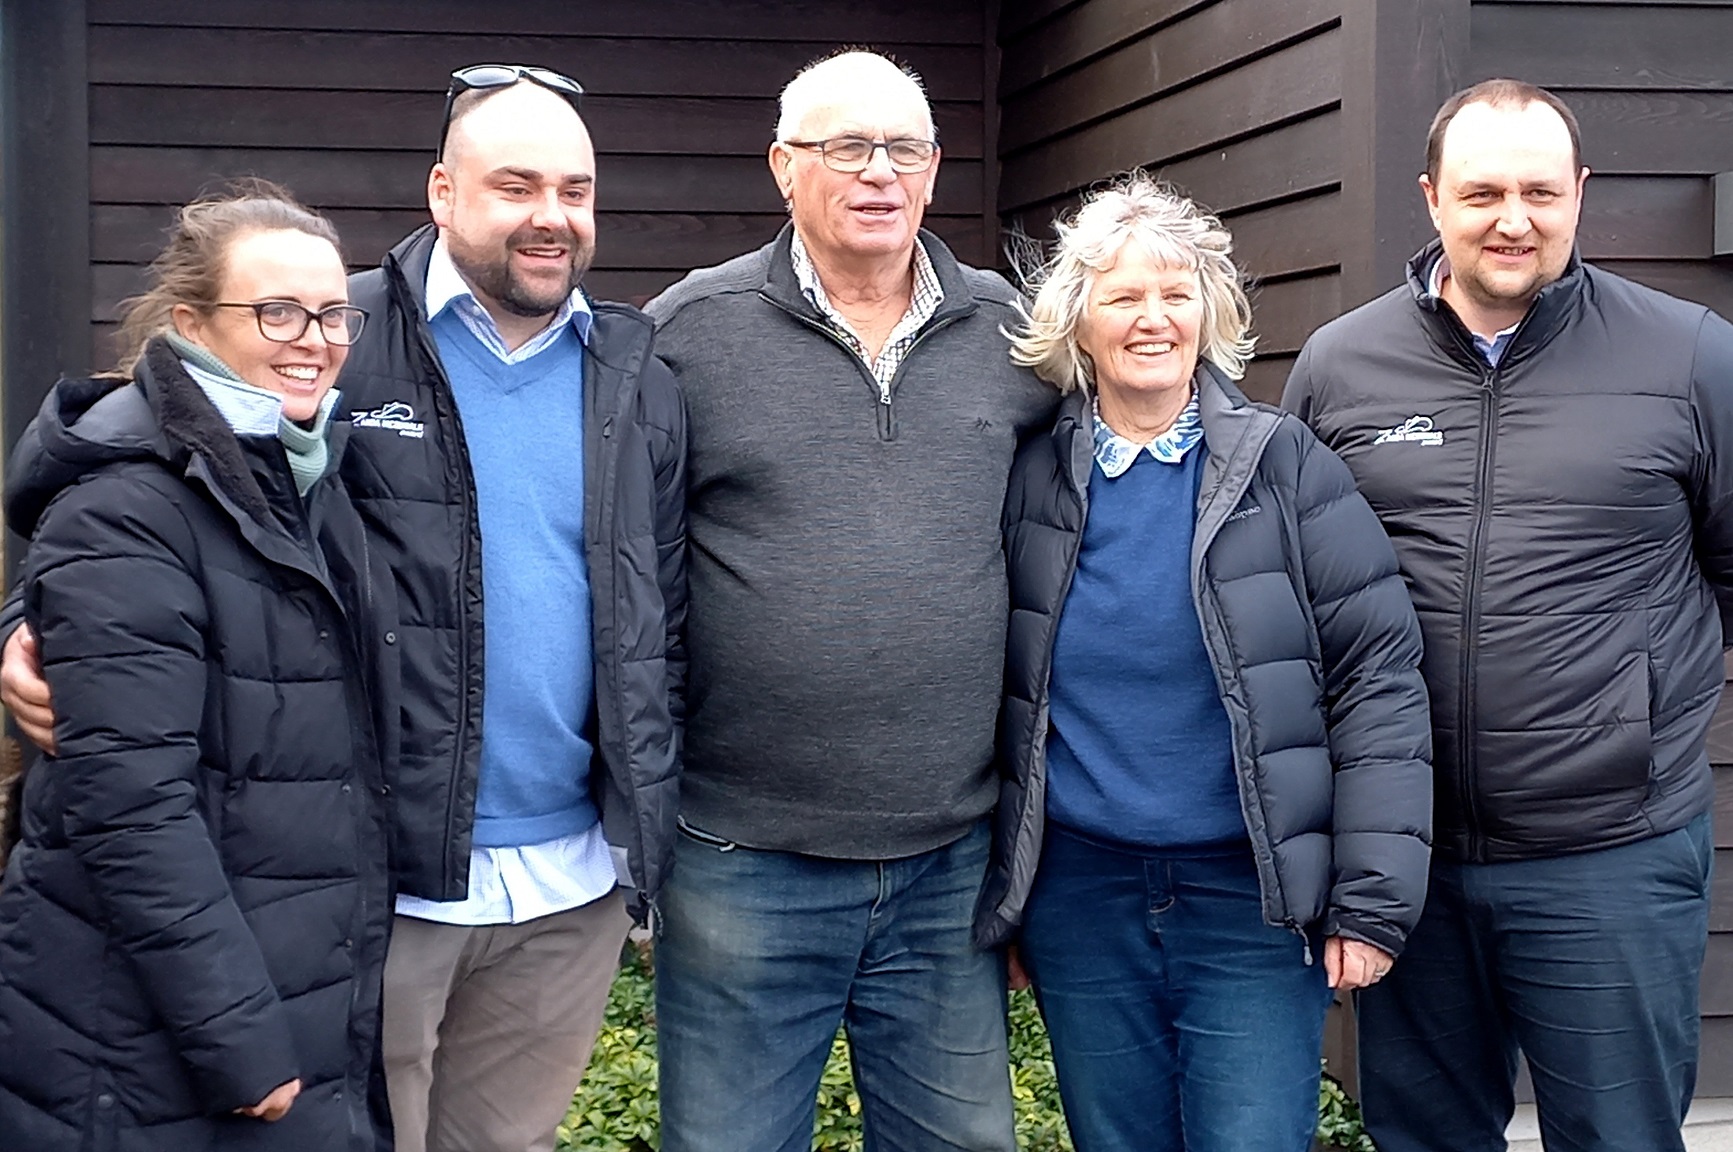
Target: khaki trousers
column 487, row 1029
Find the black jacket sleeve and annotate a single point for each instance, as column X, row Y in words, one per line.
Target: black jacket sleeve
column 111, row 592
column 671, row 534
column 1712, row 479
column 1297, row 396
column 1376, row 707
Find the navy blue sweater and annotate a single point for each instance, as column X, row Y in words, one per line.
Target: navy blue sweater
column 1140, row 752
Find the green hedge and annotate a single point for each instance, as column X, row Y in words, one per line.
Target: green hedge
column 615, row 1109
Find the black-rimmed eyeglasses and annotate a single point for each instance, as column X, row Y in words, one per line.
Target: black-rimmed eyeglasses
column 855, row 153
column 483, row 76
column 285, row 321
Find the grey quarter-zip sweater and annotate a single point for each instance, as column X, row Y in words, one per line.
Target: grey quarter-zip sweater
column 846, row 626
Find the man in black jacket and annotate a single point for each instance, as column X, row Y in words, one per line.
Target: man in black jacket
column 1550, row 448
column 508, row 432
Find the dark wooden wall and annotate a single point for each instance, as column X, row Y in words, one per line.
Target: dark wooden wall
column 340, row 100
column 1652, row 86
column 1236, row 101
column 1302, row 122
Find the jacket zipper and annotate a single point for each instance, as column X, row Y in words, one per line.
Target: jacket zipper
column 1467, row 760
column 884, row 392
column 1049, row 638
column 442, row 393
column 1467, row 709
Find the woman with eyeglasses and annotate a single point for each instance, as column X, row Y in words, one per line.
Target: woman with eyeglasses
column 193, row 926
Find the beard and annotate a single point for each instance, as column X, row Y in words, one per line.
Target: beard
column 491, row 272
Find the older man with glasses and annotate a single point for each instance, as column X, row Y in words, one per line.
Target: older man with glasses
column 509, row 436
column 854, row 414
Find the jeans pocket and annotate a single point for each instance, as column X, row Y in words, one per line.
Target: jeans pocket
column 703, row 837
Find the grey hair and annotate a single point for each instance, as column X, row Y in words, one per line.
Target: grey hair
column 1176, row 232
column 815, row 86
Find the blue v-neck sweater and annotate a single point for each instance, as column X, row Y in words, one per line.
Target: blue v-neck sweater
column 1140, row 752
column 524, row 426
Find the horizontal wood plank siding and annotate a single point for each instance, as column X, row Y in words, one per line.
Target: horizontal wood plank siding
column 1652, row 85
column 340, row 101
column 1234, row 101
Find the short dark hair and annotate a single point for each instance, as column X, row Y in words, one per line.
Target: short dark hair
column 1501, row 93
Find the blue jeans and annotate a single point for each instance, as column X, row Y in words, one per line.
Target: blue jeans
column 1179, row 1019
column 1588, row 963
column 763, row 954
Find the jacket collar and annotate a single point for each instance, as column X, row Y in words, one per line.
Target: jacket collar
column 1235, row 432
column 782, row 288
column 201, row 446
column 408, row 261
column 1552, row 309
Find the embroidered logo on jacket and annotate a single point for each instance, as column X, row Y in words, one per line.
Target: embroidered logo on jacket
column 1242, row 513
column 1414, row 430
column 395, row 416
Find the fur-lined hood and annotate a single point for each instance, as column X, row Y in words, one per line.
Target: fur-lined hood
column 160, row 414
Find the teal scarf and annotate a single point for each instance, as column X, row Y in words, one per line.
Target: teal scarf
column 235, row 399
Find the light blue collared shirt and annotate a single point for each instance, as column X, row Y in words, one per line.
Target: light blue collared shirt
column 1491, row 348
column 446, row 289
column 250, row 411
column 1114, row 453
column 512, row 885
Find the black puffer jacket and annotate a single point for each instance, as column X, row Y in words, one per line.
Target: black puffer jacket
column 1316, row 653
column 409, row 473
column 199, row 908
column 1565, row 525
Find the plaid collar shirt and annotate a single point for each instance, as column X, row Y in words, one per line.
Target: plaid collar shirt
column 923, row 302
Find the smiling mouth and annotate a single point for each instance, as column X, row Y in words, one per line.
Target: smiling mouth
column 298, row 373
column 1511, row 251
column 1150, row 348
column 540, row 253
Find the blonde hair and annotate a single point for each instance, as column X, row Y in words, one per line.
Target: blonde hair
column 190, row 269
column 1176, row 232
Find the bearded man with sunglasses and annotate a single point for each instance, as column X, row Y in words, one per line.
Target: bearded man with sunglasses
column 514, row 439
column 854, row 413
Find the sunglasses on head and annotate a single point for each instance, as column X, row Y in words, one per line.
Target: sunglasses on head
column 485, row 76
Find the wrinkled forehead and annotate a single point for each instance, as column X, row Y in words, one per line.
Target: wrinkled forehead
column 881, row 109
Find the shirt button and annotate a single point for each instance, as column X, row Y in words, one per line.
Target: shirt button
column 391, row 637
column 346, row 789
column 348, row 943
column 105, row 1101
column 324, row 634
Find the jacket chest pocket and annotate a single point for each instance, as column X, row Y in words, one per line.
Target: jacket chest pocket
column 1254, row 570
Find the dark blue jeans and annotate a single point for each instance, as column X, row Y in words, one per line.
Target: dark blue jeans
column 1588, row 963
column 1179, row 1019
column 763, row 954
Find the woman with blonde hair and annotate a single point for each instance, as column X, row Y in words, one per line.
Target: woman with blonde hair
column 1217, row 801
column 193, row 926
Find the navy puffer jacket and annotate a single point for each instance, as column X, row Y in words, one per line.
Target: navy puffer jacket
column 199, row 906
column 1316, row 652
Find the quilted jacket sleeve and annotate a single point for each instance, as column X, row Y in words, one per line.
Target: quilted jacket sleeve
column 671, row 527
column 1376, row 707
column 111, row 592
column 1712, row 489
